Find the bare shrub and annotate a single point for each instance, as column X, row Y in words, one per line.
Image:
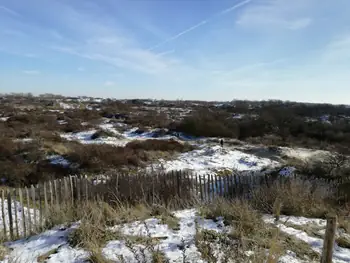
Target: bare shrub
column 160, row 145
column 103, row 157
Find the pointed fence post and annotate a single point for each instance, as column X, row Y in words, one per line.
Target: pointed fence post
column 329, row 239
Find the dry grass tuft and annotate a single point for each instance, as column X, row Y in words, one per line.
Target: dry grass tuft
column 344, row 241
column 43, row 258
column 237, row 212
column 96, row 255
column 93, row 227
column 297, row 198
column 3, row 252
column 166, row 216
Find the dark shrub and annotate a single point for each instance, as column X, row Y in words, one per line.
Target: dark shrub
column 159, row 145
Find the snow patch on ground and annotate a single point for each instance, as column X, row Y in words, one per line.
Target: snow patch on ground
column 24, row 140
column 340, row 255
column 18, row 211
column 121, row 139
column 303, row 153
column 172, row 243
column 28, row 250
column 208, row 159
column 67, row 106
column 58, row 160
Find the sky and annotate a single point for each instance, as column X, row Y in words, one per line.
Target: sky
column 178, row 49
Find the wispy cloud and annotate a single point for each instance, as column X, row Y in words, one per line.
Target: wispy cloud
column 31, row 72
column 299, row 23
column 166, row 53
column 100, row 39
column 109, row 83
column 9, row 11
column 276, row 14
column 200, row 24
column 81, row 69
column 338, row 49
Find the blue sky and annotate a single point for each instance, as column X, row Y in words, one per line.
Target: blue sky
column 185, row 49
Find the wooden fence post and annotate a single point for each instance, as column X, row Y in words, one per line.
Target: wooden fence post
column 3, row 212
column 23, row 214
column 45, row 201
column 40, row 192
column 28, row 212
column 71, row 189
column 16, row 211
column 51, row 195
column 34, row 208
column 329, row 239
column 9, row 209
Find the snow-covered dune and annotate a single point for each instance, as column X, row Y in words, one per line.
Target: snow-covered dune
column 209, row 159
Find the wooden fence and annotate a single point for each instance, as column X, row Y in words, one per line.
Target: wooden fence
column 23, row 211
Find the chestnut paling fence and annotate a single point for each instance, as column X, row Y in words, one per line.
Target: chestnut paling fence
column 24, row 210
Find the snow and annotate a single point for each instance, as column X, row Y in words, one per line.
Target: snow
column 24, row 140
column 28, row 250
column 4, row 118
column 62, row 122
column 303, row 153
column 121, row 139
column 287, row 171
column 58, row 160
column 67, row 106
column 237, row 116
column 173, row 243
column 208, row 159
column 340, row 255
column 27, row 212
column 290, row 257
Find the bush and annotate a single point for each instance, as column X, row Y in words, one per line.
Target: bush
column 205, row 123
column 102, row 157
column 24, row 163
column 159, row 145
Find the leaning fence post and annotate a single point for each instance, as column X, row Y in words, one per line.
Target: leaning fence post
column 329, row 239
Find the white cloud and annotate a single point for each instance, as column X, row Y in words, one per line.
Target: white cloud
column 271, row 14
column 109, row 83
column 98, row 39
column 31, row 72
column 300, row 23
column 166, row 53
